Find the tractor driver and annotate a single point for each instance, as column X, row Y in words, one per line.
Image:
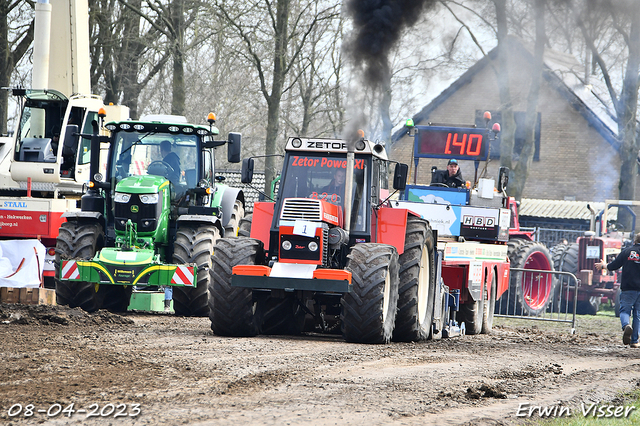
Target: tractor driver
column 451, row 177
column 336, row 186
column 172, row 159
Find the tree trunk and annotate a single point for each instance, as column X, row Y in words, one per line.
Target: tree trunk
column 521, row 169
column 129, row 66
column 273, row 100
column 178, row 90
column 627, row 112
column 9, row 58
column 508, row 124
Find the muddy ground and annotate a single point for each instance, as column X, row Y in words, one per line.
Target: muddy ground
column 157, row 369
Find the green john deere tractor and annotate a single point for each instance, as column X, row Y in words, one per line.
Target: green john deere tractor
column 146, row 223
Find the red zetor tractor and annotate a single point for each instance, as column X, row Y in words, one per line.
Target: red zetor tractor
column 331, row 254
column 601, row 242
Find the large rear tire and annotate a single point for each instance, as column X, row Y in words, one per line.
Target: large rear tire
column 194, row 244
column 559, row 302
column 78, row 241
column 567, row 261
column 232, row 310
column 231, row 230
column 529, row 292
column 416, row 297
column 369, row 311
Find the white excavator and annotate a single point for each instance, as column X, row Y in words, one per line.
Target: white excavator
column 44, row 167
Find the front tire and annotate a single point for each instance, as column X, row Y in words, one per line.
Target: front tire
column 489, row 307
column 117, row 297
column 232, row 310
column 281, row 316
column 78, row 241
column 369, row 311
column 194, row 244
column 472, row 313
column 416, row 297
column 591, row 306
column 244, row 228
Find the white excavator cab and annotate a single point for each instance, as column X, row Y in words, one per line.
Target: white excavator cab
column 48, row 146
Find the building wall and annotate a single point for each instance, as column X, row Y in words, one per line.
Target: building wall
column 576, row 162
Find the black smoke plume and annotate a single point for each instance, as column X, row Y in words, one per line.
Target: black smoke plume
column 377, row 26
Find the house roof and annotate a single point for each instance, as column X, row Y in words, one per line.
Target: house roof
column 562, row 72
column 562, row 209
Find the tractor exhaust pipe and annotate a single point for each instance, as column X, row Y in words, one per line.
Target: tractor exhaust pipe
column 348, row 189
column 592, row 220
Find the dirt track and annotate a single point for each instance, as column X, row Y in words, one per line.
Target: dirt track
column 180, row 373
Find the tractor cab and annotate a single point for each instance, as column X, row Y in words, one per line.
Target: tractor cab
column 157, row 171
column 338, row 205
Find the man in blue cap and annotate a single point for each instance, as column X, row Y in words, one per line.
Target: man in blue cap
column 451, row 177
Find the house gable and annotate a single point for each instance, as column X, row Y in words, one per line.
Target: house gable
column 578, row 151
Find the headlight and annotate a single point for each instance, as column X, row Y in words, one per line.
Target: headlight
column 313, row 246
column 121, row 197
column 149, row 198
column 286, row 245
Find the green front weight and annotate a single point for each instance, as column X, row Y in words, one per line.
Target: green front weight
column 96, row 271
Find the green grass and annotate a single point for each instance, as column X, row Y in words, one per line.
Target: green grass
column 631, row 399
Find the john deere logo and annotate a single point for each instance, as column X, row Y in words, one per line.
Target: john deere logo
column 134, row 209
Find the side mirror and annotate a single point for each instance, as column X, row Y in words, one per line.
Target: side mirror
column 247, row 170
column 503, row 178
column 233, row 147
column 400, row 176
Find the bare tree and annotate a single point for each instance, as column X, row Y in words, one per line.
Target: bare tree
column 625, row 20
column 506, row 105
column 128, row 55
column 317, row 76
column 520, row 171
column 273, row 32
column 15, row 40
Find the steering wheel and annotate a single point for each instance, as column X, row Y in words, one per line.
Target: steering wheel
column 439, row 184
column 160, row 168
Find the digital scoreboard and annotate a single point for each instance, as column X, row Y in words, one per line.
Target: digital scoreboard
column 451, row 142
